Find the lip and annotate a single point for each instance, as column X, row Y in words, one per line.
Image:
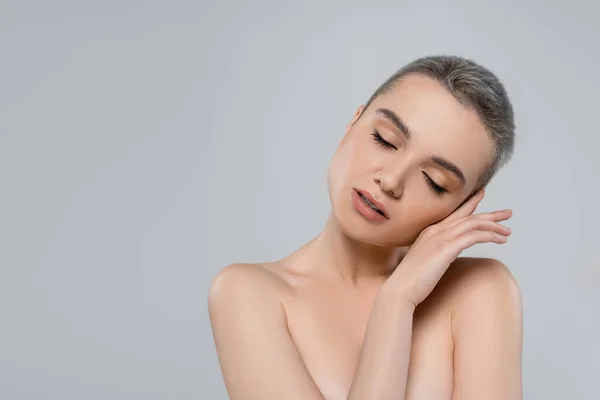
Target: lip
column 376, row 203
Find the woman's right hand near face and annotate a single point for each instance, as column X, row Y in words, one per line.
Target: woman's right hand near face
column 440, row 244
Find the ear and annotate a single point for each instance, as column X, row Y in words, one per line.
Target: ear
column 357, row 115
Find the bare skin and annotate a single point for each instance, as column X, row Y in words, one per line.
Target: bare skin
column 350, row 314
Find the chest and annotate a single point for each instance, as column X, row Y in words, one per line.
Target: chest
column 328, row 331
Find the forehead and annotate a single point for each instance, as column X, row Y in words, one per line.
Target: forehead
column 439, row 124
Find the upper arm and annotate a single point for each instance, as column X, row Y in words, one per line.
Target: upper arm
column 487, row 329
column 257, row 355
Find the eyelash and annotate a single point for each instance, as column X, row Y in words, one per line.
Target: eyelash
column 381, row 141
column 437, row 189
column 434, row 186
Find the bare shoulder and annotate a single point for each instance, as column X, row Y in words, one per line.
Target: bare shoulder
column 482, row 285
column 259, row 283
column 468, row 275
column 256, row 353
column 486, row 325
column 245, row 277
column 250, row 273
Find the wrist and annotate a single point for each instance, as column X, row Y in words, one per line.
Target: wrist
column 396, row 291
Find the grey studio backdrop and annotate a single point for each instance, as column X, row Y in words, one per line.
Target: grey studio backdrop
column 144, row 145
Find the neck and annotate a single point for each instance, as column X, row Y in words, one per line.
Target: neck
column 343, row 257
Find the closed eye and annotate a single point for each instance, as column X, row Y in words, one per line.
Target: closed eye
column 437, row 189
column 381, row 141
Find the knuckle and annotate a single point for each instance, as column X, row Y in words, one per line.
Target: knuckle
column 431, row 230
column 448, row 249
column 482, row 223
column 446, row 246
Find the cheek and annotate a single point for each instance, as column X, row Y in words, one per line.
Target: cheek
column 335, row 173
column 348, row 165
column 415, row 211
column 425, row 214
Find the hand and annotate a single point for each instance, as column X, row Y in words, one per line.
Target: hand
column 441, row 243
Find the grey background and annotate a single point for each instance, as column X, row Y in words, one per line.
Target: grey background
column 144, row 145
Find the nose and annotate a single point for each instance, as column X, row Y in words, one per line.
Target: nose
column 391, row 180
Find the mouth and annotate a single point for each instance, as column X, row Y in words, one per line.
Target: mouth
column 372, row 204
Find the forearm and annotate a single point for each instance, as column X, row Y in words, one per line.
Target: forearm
column 383, row 365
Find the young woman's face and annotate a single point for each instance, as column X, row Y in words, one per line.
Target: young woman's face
column 420, row 175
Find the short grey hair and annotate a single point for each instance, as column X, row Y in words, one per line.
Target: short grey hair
column 476, row 88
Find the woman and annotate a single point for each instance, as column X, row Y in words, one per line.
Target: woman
column 378, row 305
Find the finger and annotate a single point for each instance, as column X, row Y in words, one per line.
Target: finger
column 467, row 208
column 477, row 224
column 496, row 216
column 468, row 239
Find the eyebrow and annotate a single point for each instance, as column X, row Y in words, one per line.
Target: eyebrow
column 402, row 127
column 441, row 161
column 396, row 120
